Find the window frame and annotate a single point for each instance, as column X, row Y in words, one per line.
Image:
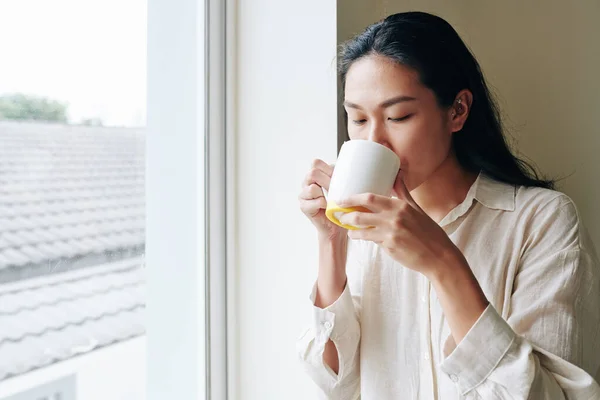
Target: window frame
column 189, row 173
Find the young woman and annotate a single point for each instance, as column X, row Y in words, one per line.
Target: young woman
column 477, row 280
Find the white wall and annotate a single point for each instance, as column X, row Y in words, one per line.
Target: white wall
column 286, row 117
column 116, row 372
column 542, row 58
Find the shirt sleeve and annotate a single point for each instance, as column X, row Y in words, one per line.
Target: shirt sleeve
column 339, row 322
column 548, row 346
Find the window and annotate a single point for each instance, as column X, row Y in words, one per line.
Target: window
column 73, row 245
column 72, row 197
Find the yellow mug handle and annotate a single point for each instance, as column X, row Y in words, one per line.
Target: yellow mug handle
column 333, row 208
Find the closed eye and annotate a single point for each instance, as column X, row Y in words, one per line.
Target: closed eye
column 400, row 119
column 359, row 121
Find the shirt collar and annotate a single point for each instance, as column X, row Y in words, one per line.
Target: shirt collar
column 487, row 191
column 494, row 194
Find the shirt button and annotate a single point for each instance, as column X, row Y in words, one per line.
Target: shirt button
column 327, row 325
column 426, row 356
column 424, row 299
column 454, row 378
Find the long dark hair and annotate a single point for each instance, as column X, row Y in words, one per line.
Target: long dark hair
column 431, row 46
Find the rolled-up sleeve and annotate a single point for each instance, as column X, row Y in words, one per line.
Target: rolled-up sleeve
column 547, row 346
column 508, row 366
column 340, row 323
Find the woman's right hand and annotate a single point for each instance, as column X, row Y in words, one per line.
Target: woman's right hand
column 313, row 203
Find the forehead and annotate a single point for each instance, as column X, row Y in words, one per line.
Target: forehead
column 378, row 78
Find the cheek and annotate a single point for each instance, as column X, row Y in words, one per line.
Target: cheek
column 423, row 141
column 422, row 147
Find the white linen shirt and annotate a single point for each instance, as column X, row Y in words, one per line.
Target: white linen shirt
column 538, row 339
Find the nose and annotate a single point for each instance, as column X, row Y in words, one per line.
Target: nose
column 378, row 134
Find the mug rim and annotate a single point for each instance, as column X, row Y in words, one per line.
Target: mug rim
column 370, row 143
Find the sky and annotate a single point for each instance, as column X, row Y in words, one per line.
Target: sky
column 88, row 53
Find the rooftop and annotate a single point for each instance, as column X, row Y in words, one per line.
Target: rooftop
column 72, row 226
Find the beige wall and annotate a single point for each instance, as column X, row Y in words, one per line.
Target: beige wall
column 543, row 59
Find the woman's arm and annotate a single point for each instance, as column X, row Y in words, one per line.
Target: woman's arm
column 329, row 349
column 546, row 349
column 549, row 345
column 330, row 284
column 459, row 293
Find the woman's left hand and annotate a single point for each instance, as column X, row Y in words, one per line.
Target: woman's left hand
column 404, row 231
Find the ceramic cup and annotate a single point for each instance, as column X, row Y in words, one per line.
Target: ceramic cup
column 363, row 166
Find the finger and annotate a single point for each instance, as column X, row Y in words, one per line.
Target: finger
column 312, row 191
column 312, row 207
column 361, row 219
column 403, row 192
column 319, row 177
column 370, row 201
column 323, row 166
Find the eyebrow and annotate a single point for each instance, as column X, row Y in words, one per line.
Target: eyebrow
column 385, row 104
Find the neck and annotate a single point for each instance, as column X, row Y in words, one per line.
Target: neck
column 446, row 188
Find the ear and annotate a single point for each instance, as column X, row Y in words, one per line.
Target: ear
column 459, row 110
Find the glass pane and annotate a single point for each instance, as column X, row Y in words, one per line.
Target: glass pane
column 72, row 201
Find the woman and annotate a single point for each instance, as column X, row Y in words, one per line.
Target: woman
column 477, row 280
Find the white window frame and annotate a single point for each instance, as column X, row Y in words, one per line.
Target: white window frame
column 189, row 187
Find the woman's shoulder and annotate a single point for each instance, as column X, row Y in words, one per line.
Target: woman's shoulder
column 551, row 213
column 525, row 202
column 538, row 200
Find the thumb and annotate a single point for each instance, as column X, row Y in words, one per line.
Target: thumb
column 403, row 192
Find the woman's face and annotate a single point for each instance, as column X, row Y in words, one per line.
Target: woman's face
column 386, row 103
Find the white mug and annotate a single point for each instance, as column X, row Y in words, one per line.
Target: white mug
column 363, row 166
